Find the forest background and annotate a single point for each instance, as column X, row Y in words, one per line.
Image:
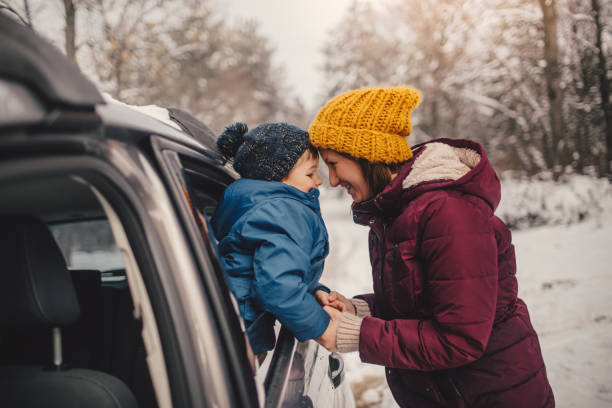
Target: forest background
column 530, row 79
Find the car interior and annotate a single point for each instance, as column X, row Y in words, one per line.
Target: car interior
column 63, row 329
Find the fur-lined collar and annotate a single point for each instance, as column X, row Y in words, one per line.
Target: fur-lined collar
column 440, row 161
column 456, row 164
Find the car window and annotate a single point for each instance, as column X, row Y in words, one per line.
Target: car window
column 203, row 195
column 197, row 185
column 100, row 325
column 88, row 245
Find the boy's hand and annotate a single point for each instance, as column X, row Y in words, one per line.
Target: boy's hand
column 337, row 298
column 328, row 338
column 324, row 299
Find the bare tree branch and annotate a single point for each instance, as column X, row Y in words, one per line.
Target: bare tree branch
column 24, row 21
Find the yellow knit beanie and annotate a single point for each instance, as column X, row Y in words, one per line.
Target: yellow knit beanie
column 368, row 123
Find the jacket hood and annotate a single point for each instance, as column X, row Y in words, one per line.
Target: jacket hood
column 244, row 194
column 457, row 164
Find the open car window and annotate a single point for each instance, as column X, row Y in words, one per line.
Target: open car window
column 203, row 194
column 88, row 245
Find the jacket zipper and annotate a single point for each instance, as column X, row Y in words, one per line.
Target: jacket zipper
column 382, row 253
column 381, row 249
column 456, row 390
column 382, row 264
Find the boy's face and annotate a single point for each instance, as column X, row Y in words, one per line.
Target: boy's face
column 304, row 175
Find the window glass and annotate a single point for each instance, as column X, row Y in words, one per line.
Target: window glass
column 203, row 195
column 88, row 245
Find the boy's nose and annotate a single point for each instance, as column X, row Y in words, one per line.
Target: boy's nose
column 318, row 180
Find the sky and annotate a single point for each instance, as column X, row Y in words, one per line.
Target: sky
column 297, row 31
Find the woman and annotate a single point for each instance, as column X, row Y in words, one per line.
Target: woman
column 444, row 317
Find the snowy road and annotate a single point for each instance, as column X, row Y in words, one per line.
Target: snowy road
column 565, row 277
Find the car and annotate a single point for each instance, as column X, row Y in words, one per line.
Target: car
column 112, row 290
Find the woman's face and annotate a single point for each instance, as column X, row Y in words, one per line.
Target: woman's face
column 346, row 173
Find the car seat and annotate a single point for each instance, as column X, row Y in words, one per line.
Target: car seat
column 37, row 293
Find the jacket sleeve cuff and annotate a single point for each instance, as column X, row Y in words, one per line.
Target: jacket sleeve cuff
column 362, row 309
column 369, row 298
column 319, row 321
column 322, row 287
column 347, row 336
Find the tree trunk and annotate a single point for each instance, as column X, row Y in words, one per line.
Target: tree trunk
column 433, row 127
column 70, row 29
column 604, row 89
column 552, row 74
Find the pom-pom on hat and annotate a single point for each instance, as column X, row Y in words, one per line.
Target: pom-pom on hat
column 267, row 152
column 368, row 123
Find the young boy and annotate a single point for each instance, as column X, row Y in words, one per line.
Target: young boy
column 272, row 239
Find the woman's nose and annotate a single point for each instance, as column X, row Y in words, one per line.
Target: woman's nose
column 333, row 179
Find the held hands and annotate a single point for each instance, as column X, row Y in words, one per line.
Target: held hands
column 334, row 304
column 335, row 300
column 328, row 338
column 323, row 299
column 335, row 297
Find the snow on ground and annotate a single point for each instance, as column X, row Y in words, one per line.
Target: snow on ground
column 101, row 260
column 564, row 275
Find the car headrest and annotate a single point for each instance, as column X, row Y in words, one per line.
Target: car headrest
column 35, row 286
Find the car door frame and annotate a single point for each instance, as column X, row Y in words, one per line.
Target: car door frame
column 132, row 211
column 237, row 369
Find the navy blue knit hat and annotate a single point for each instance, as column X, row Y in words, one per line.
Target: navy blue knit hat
column 267, row 152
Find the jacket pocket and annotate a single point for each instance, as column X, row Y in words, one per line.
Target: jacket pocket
column 406, row 280
column 414, row 388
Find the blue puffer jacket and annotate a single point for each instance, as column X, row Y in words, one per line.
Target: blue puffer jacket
column 273, row 243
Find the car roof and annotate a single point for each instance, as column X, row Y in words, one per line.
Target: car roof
column 119, row 115
column 30, row 59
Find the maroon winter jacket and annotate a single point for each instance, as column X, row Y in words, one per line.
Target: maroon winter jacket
column 446, row 320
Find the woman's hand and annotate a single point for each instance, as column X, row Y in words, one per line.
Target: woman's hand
column 328, row 338
column 335, row 298
column 324, row 299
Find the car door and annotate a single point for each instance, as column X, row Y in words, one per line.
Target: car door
column 304, row 374
column 195, row 182
column 294, row 374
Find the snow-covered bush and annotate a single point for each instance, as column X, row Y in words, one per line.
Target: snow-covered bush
column 525, row 202
column 542, row 201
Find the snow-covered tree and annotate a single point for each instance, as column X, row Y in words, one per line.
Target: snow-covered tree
column 179, row 53
column 522, row 76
